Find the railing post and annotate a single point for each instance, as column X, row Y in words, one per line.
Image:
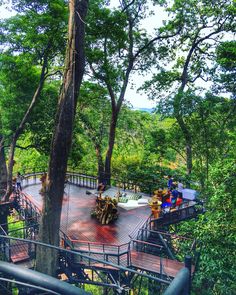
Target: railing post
column 129, row 253
column 161, row 266
column 188, row 265
column 118, row 262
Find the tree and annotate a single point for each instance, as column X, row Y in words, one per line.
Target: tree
column 61, row 142
column 3, row 168
column 190, row 55
column 38, row 49
column 117, row 46
column 93, row 116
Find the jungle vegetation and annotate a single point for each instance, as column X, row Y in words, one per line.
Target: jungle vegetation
column 67, row 100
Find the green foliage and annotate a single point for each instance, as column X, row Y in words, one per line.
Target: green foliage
column 226, row 59
column 226, row 55
column 15, row 227
column 217, row 232
column 147, row 146
column 16, row 90
column 41, row 121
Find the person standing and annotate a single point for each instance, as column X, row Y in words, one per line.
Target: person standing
column 174, row 195
column 19, row 178
column 170, row 182
column 180, row 188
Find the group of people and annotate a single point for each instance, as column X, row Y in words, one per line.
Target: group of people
column 172, row 196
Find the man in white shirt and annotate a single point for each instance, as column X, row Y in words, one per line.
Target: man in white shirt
column 180, row 188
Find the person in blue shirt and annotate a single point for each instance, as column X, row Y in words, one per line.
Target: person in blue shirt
column 174, row 195
column 170, row 182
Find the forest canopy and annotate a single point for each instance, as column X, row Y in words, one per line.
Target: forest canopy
column 186, row 65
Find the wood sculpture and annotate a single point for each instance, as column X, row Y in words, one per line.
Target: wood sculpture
column 106, row 209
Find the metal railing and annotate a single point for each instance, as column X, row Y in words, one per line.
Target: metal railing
column 68, row 254
column 90, row 181
column 180, row 284
column 82, row 180
column 28, row 280
column 185, row 211
column 75, row 178
column 118, row 254
column 18, row 250
column 175, row 245
column 26, row 208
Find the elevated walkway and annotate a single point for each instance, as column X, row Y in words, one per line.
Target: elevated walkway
column 141, row 248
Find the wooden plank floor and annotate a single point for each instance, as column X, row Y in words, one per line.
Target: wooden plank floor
column 77, row 223
column 19, row 252
column 148, row 262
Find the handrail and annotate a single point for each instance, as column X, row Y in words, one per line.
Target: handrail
column 2, row 229
column 97, row 243
column 180, row 284
column 20, row 220
column 167, row 234
column 87, row 257
column 147, row 243
column 22, row 228
column 134, row 233
column 102, row 253
column 28, row 199
column 40, row 279
column 126, row 184
column 82, row 174
column 27, row 285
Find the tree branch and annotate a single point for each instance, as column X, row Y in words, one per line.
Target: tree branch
column 52, row 74
column 154, row 40
column 27, row 147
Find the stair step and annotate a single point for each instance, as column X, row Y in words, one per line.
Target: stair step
column 20, row 257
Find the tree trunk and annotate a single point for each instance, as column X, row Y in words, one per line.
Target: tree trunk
column 3, row 168
column 46, row 260
column 189, row 158
column 188, row 144
column 112, row 135
column 10, row 168
column 100, row 164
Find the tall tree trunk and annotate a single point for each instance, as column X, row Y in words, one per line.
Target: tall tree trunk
column 3, row 168
column 10, row 167
column 112, row 135
column 46, row 260
column 100, row 163
column 188, row 144
column 20, row 129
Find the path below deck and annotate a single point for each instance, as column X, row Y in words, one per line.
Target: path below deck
column 77, row 223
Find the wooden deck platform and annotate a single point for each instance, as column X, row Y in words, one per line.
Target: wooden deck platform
column 77, row 223
column 151, row 263
column 103, row 242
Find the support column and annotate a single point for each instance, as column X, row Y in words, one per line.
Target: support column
column 188, row 265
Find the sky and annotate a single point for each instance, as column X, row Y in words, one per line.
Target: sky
column 137, row 100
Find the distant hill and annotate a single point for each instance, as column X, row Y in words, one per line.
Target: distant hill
column 148, row 110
